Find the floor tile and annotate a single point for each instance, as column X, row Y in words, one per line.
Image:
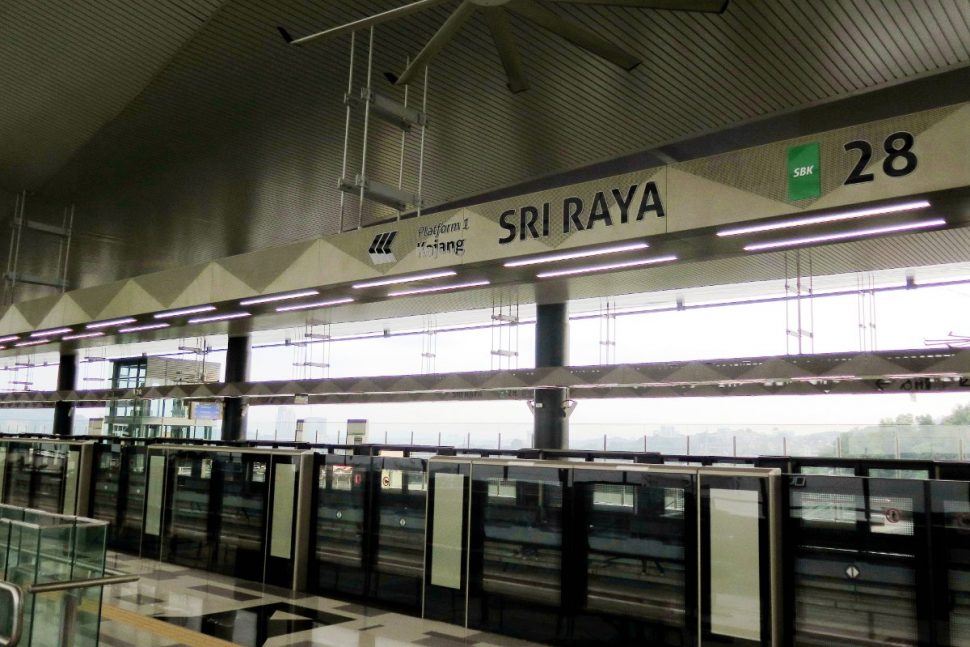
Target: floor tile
column 253, row 615
column 239, row 596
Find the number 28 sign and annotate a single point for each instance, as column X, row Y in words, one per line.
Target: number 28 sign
column 805, row 167
column 898, row 162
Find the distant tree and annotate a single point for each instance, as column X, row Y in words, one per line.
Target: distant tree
column 959, row 416
column 924, row 420
column 905, row 419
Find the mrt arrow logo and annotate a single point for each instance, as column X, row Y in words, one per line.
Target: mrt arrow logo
column 380, row 248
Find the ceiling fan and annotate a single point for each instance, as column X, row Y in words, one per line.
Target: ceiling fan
column 496, row 14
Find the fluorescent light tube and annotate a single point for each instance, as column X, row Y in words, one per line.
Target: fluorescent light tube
column 827, row 217
column 48, row 333
column 438, row 288
column 83, row 335
column 404, row 279
column 565, row 256
column 157, row 326
column 315, row 304
column 9, row 338
column 225, row 317
column 279, row 297
column 108, row 324
column 843, row 235
column 183, row 311
column 609, row 266
column 33, row 343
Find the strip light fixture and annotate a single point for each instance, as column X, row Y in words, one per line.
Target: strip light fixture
column 85, row 335
column 33, row 343
column 565, row 256
column 609, row 266
column 404, row 279
column 50, row 333
column 9, row 338
column 439, row 288
column 827, row 217
column 279, row 297
column 315, row 304
column 168, row 314
column 157, row 326
column 225, row 317
column 112, row 322
column 843, row 235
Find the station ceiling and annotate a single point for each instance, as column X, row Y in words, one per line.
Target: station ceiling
column 188, row 130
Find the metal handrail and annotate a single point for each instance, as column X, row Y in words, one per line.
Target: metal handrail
column 17, row 615
column 68, row 585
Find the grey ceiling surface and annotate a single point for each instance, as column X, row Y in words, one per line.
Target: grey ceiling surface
column 235, row 142
column 67, row 67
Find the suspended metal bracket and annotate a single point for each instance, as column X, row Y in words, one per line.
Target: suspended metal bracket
column 312, row 364
column 505, row 353
column 31, row 279
column 20, row 223
column 379, row 192
column 387, row 109
column 43, row 228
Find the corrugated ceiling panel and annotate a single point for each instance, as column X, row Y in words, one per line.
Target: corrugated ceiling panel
column 69, row 67
column 236, row 144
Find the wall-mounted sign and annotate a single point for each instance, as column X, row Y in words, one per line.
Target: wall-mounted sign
column 804, row 172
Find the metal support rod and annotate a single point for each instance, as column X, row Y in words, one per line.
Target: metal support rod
column 688, row 445
column 896, row 438
column 8, row 296
column 350, row 88
column 363, row 155
column 734, row 441
column 644, row 442
column 424, row 127
column 961, row 449
column 19, row 223
column 404, row 135
column 784, row 445
column 67, row 248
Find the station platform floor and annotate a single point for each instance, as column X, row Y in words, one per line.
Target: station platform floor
column 174, row 606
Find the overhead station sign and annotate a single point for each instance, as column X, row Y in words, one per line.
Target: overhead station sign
column 877, row 161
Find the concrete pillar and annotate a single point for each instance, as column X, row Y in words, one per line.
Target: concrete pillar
column 237, row 370
column 551, row 427
column 66, row 381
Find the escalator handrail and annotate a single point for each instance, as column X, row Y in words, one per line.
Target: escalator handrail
column 17, row 615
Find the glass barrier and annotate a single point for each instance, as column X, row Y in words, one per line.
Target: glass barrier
column 39, row 548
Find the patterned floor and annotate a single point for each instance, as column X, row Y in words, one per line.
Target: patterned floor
column 170, row 605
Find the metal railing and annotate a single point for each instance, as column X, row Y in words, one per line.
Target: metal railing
column 16, row 630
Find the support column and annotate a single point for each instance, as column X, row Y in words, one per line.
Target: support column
column 66, row 381
column 551, row 427
column 237, row 370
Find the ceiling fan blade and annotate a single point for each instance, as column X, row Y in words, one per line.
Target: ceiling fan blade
column 575, row 32
column 370, row 21
column 498, row 24
column 445, row 33
column 709, row 6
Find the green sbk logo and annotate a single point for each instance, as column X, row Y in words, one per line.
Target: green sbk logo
column 804, row 172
